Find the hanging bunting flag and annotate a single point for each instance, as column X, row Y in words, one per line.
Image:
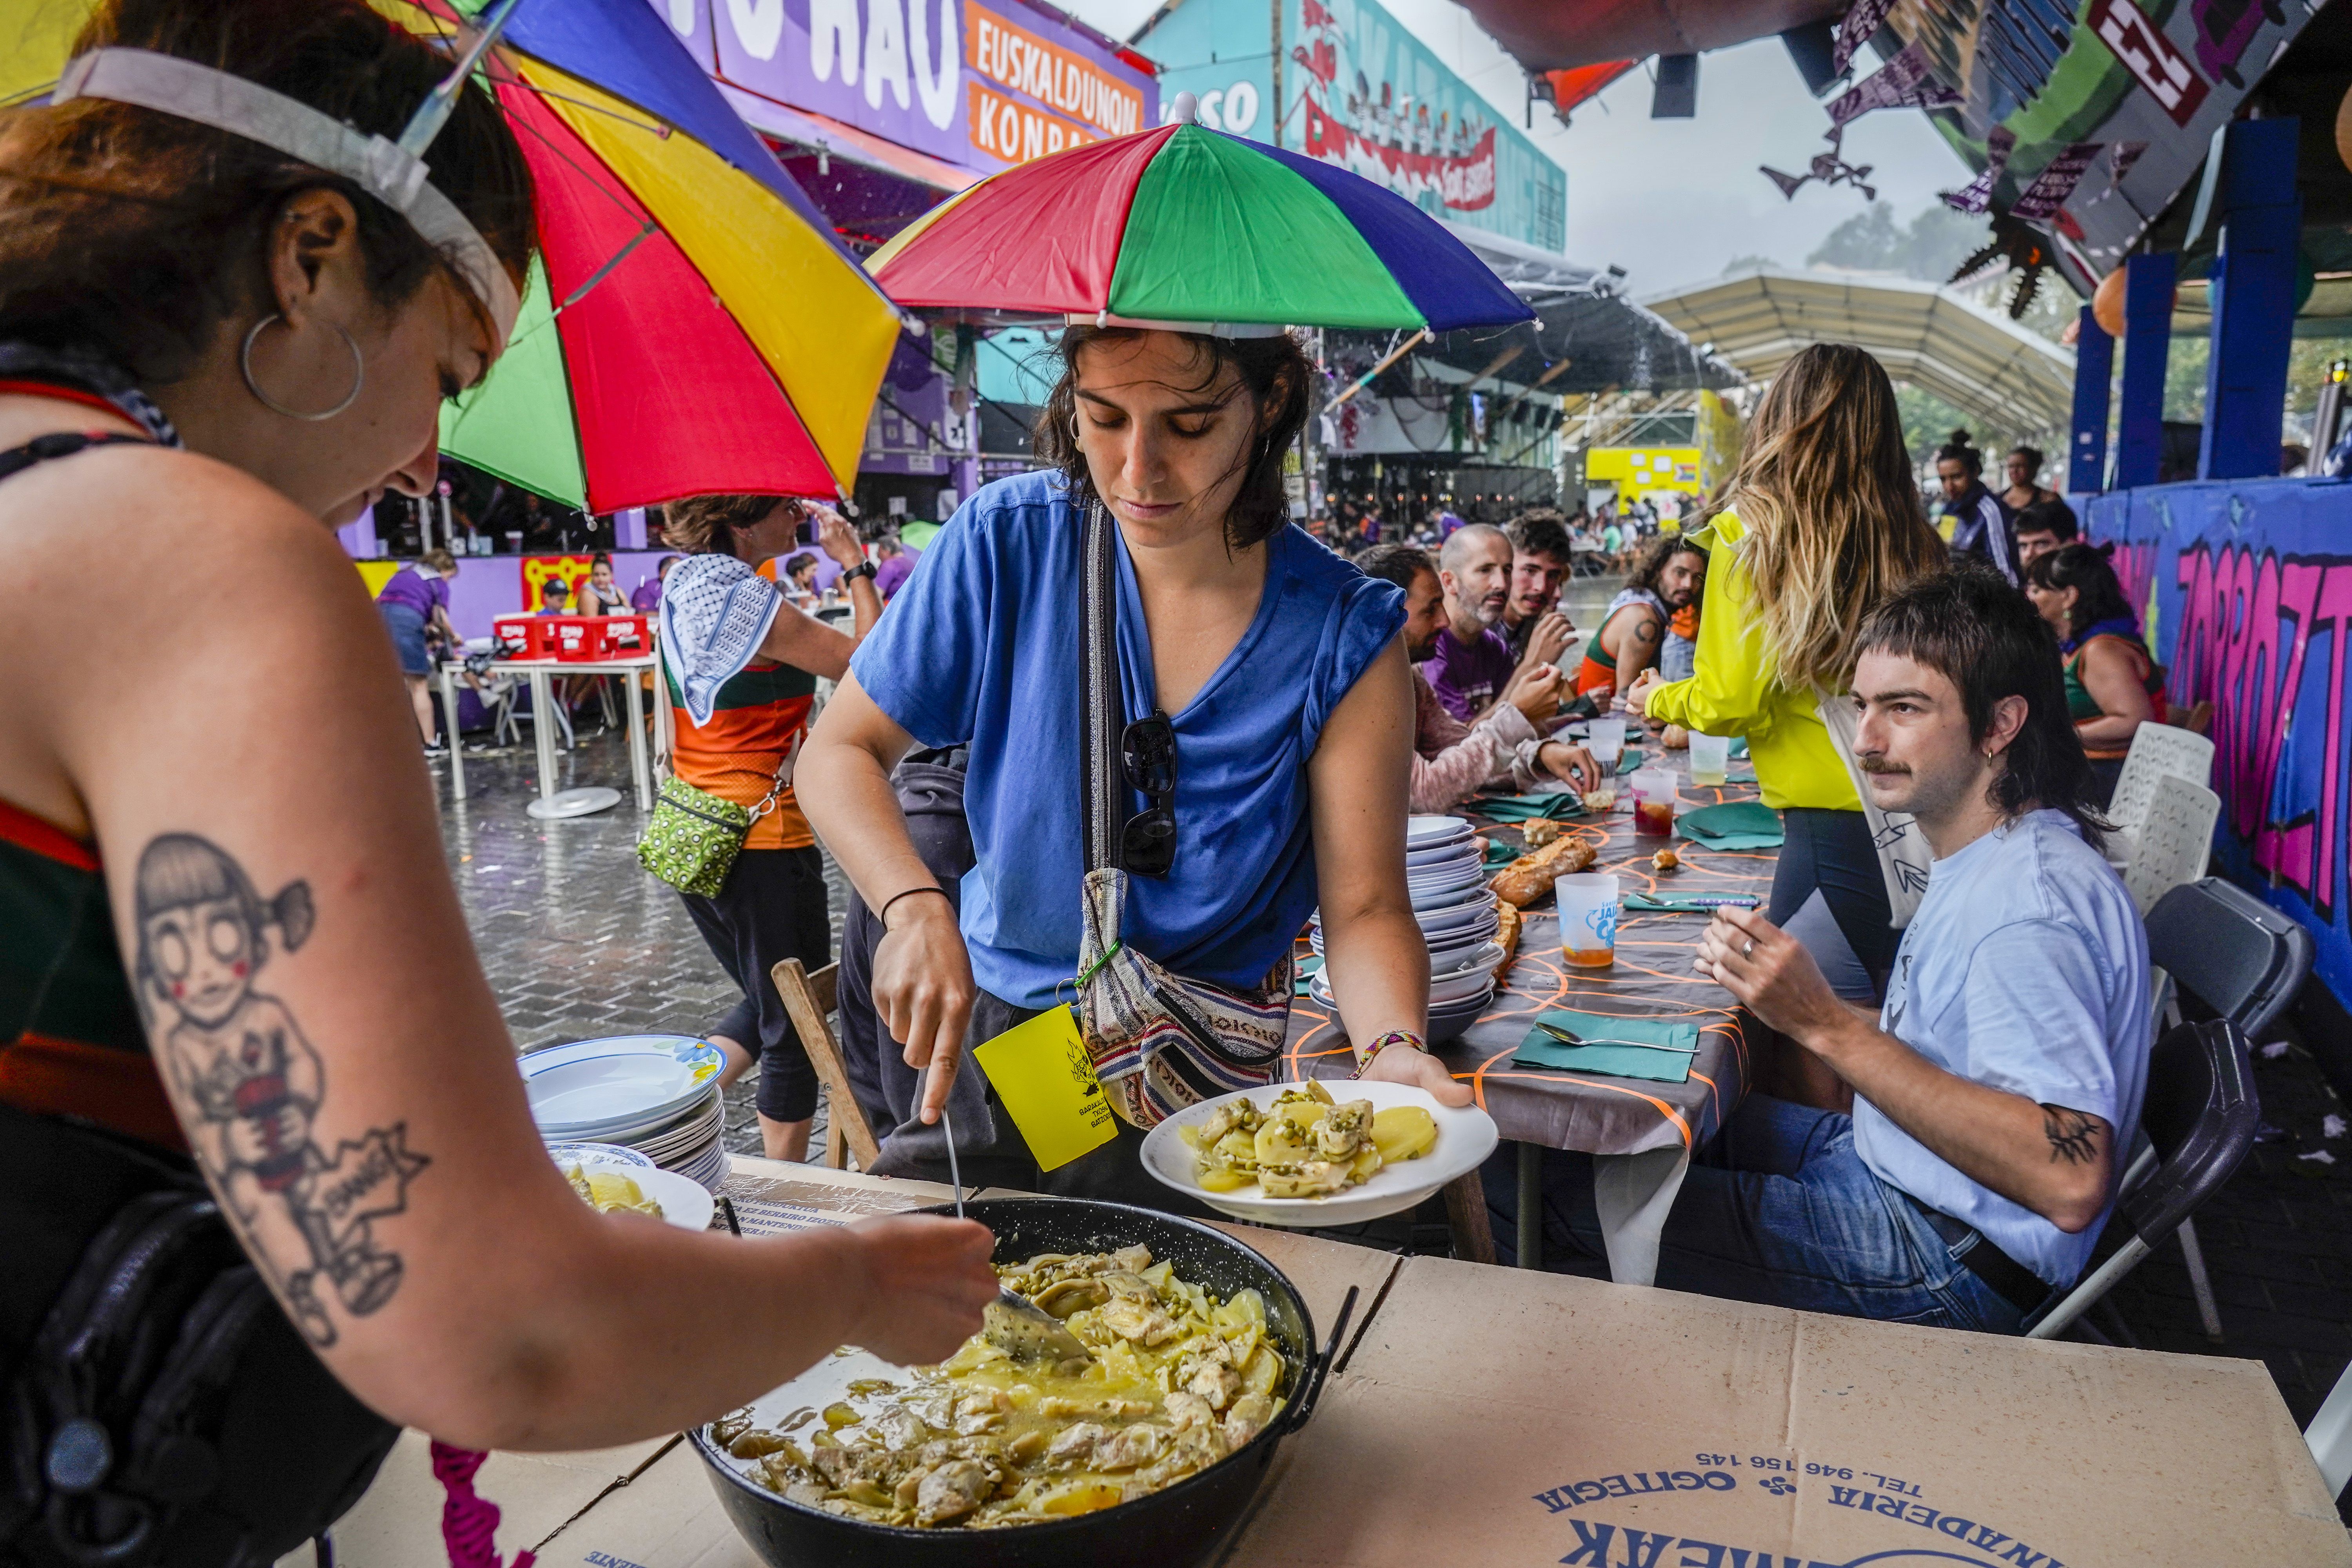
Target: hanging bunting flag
column 1860, row 25
column 1906, row 81
column 1977, row 194
column 2057, row 182
column 2121, row 156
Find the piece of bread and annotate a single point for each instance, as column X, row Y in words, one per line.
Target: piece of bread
column 1507, row 933
column 1540, row 831
column 1530, row 876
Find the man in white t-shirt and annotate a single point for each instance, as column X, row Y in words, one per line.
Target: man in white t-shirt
column 1998, row 1087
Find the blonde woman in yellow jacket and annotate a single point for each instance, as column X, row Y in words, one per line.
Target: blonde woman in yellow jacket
column 1823, row 522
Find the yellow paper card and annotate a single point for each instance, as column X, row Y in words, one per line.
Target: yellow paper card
column 1040, row 1071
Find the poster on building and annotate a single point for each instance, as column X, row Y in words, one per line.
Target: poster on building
column 1361, row 92
column 982, row 86
column 2117, row 99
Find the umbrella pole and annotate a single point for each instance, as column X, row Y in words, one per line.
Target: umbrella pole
column 1394, row 356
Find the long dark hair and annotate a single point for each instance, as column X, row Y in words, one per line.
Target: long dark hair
column 1274, row 370
column 1985, row 638
column 2099, row 595
column 1652, row 564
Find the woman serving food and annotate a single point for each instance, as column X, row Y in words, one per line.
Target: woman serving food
column 197, row 322
column 1266, row 752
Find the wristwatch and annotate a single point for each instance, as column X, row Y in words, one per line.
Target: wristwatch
column 863, row 569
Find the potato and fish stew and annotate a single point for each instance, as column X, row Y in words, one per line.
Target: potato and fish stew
column 1305, row 1145
column 1178, row 1381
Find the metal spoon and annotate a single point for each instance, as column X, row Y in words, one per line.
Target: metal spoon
column 1014, row 1324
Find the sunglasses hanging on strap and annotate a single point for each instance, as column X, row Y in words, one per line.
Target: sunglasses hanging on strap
column 1159, row 1042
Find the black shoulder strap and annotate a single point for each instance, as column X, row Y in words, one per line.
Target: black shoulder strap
column 64, row 444
column 1098, row 685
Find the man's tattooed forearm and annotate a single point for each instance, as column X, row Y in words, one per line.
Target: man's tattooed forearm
column 240, row 1063
column 2074, row 1137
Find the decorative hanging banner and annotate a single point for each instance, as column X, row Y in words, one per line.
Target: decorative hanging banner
column 1861, row 24
column 1906, row 81
column 1977, row 194
column 1464, row 182
column 2057, row 182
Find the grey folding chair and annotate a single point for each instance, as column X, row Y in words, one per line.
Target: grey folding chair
column 2200, row 1115
column 2240, row 959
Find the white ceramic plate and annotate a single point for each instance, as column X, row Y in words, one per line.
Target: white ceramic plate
column 599, row 1153
column 1429, row 832
column 1458, row 916
column 1441, row 855
column 1454, row 960
column 602, row 1091
column 684, row 1203
column 1465, row 1139
column 1459, row 987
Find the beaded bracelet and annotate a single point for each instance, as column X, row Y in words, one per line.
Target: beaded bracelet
column 1366, row 1054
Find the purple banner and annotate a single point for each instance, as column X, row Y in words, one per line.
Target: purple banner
column 1906, row 81
column 2057, row 182
column 1861, row 23
column 979, row 85
column 1977, row 194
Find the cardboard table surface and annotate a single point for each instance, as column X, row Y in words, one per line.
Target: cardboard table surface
column 1578, row 1423
column 650, row 1503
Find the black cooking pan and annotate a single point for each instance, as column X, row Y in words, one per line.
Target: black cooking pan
column 1175, row 1527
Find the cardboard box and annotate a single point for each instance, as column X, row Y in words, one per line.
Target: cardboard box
column 1562, row 1421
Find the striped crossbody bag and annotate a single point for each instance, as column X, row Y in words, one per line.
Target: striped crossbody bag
column 1159, row 1042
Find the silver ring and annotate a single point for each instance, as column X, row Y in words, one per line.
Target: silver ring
column 1748, row 948
column 245, row 364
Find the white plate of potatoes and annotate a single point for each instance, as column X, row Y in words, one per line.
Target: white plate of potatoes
column 1423, row 1145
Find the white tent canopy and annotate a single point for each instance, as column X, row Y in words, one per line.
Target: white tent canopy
column 1928, row 337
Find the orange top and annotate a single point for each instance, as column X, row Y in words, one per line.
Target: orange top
column 759, row 717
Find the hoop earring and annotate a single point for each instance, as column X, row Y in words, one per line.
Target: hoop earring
column 1077, row 437
column 245, row 364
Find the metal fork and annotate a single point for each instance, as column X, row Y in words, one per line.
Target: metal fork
column 1015, row 1323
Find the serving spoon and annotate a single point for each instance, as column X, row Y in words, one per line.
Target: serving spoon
column 1014, row 1324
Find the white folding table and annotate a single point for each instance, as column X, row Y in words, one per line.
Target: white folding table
column 542, row 673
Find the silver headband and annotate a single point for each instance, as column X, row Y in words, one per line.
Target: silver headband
column 191, row 91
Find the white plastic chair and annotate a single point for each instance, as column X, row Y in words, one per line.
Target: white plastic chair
column 2174, row 840
column 2157, row 750
column 2329, row 1435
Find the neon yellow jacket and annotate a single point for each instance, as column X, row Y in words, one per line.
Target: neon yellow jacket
column 1734, row 692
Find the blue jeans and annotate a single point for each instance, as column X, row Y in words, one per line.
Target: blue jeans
column 1782, row 1210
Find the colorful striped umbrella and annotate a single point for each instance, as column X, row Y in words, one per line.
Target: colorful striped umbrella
column 1184, row 224
column 695, row 327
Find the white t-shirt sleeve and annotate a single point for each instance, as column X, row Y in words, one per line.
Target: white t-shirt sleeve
column 2033, row 1016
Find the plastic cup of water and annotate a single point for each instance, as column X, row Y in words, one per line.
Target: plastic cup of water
column 1710, row 758
column 1655, row 794
column 1587, row 918
column 1606, row 739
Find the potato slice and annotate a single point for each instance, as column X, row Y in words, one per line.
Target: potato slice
column 1402, row 1132
column 1223, row 1179
column 1368, row 1159
column 1083, row 1495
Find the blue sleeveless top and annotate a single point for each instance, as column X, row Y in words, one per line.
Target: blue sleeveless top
column 981, row 648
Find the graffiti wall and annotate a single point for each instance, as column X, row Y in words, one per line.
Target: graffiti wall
column 2246, row 592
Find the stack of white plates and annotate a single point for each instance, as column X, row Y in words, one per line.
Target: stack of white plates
column 653, row 1093
column 1446, row 874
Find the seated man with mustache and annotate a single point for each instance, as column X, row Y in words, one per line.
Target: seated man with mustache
column 1995, row 1091
column 1471, row 664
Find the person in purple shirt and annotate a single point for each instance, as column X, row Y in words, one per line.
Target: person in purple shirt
column 1472, row 666
column 898, row 564
column 646, row 600
column 415, row 604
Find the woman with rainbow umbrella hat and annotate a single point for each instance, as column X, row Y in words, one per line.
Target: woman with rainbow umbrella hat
column 1187, row 723
column 246, row 248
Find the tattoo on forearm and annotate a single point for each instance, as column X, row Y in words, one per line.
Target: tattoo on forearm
column 2074, row 1137
column 239, row 1058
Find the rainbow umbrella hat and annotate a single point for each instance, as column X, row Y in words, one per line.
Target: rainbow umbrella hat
column 694, row 325
column 1189, row 226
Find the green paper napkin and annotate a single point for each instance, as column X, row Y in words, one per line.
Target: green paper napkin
column 1557, row 806
column 1306, row 970
column 1542, row 1051
column 1499, row 854
column 1734, row 825
column 1628, row 760
column 1739, row 746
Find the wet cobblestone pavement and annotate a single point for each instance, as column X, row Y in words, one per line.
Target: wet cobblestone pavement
column 578, row 941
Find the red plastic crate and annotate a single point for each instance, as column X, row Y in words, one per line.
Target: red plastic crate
column 626, row 637
column 578, row 638
column 531, row 636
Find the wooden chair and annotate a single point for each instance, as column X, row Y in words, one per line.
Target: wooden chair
column 810, row 1000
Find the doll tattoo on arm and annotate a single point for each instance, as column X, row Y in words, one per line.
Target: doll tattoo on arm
column 304, row 1211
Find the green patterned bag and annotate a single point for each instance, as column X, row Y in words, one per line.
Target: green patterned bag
column 693, row 836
